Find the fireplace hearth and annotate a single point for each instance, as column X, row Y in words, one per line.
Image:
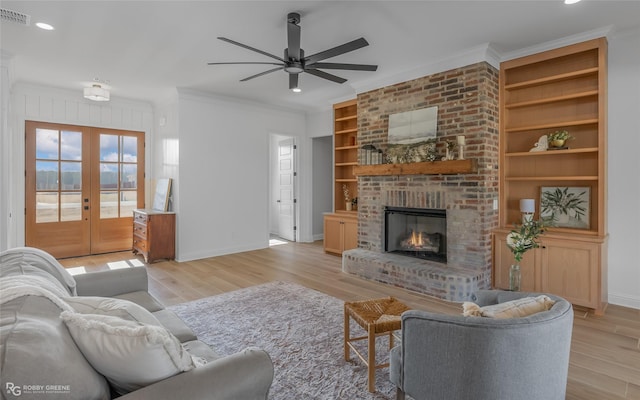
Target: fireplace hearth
column 416, row 232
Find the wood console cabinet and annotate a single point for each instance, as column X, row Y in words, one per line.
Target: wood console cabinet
column 559, row 89
column 340, row 232
column 572, row 268
column 154, row 234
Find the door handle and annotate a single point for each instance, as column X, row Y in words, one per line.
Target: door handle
column 277, row 201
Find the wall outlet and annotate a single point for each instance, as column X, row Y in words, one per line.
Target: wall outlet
column 495, row 204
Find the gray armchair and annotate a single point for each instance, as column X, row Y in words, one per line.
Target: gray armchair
column 456, row 357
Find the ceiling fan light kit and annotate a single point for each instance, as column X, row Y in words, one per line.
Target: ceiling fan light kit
column 294, row 61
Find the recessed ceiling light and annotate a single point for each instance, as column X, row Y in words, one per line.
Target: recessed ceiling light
column 44, row 26
column 296, row 90
column 571, row 1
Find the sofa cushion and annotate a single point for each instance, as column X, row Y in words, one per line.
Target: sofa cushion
column 37, row 349
column 143, row 299
column 174, row 324
column 511, row 309
column 112, row 307
column 129, row 354
column 200, row 351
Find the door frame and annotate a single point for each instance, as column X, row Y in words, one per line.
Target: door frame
column 274, row 139
column 100, row 234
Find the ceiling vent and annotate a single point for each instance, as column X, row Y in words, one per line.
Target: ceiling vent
column 14, row 16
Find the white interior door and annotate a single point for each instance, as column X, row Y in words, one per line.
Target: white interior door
column 286, row 189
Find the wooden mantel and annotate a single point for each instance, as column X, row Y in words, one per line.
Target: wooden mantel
column 450, row 167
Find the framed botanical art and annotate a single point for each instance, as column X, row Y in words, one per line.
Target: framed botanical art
column 566, row 207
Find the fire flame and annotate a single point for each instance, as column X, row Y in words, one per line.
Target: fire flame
column 416, row 240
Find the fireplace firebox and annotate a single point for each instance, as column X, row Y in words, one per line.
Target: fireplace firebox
column 416, row 232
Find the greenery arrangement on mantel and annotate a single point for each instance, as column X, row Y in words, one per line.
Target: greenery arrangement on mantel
column 449, row 167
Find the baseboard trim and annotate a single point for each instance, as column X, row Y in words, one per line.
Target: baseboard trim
column 625, row 300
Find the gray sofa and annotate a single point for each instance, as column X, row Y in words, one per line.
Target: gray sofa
column 41, row 358
column 479, row 358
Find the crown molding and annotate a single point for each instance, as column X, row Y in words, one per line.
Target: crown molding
column 484, row 52
column 554, row 44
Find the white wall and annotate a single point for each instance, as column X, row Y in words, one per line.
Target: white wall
column 47, row 104
column 224, row 174
column 624, row 168
column 322, row 199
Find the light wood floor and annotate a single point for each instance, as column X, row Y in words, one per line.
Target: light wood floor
column 605, row 352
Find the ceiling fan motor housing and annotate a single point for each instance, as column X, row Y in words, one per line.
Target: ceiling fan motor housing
column 294, row 66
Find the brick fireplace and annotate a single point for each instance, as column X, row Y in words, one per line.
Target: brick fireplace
column 467, row 100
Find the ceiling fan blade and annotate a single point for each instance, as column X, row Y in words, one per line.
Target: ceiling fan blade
column 243, row 62
column 322, row 74
column 293, row 36
column 353, row 67
column 293, row 81
column 336, row 51
column 250, row 48
column 262, row 73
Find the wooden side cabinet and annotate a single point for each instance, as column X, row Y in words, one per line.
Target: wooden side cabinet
column 340, row 232
column 154, row 234
column 572, row 268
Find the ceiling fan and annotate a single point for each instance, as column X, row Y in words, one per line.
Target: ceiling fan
column 294, row 61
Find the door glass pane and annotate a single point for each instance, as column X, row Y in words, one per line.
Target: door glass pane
column 128, row 203
column 46, row 175
column 108, row 205
column 47, row 144
column 108, row 147
column 71, row 175
column 129, row 176
column 129, row 149
column 71, row 206
column 70, row 145
column 46, row 207
column 108, row 176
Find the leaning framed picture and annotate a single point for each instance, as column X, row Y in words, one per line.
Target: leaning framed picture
column 566, row 207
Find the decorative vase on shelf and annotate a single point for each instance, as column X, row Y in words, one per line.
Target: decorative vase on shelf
column 348, row 206
column 515, row 278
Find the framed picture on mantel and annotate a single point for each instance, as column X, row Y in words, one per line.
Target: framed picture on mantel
column 566, row 207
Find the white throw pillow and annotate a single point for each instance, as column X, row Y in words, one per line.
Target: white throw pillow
column 129, row 354
column 509, row 309
column 113, row 307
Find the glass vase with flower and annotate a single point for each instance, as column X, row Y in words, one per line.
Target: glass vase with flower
column 520, row 240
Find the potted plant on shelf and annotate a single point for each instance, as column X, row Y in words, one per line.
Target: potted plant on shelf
column 519, row 241
column 354, row 203
column 558, row 138
column 347, row 198
column 450, row 145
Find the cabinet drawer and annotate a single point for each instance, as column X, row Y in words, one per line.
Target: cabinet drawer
column 140, row 218
column 140, row 230
column 140, row 244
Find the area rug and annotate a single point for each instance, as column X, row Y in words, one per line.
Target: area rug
column 300, row 328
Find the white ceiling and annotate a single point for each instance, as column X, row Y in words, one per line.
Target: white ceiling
column 146, row 49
